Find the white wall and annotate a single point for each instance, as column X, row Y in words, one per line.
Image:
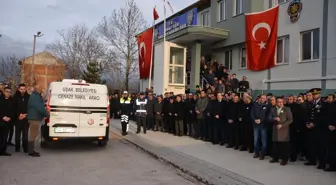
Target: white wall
column 311, row 18
column 158, row 82
column 331, row 56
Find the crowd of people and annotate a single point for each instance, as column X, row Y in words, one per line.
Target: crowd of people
column 20, row 113
column 287, row 128
column 216, row 78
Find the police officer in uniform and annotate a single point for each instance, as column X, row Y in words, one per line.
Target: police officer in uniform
column 141, row 112
column 314, row 127
column 125, row 109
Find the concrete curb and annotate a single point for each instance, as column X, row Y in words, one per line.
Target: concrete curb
column 202, row 171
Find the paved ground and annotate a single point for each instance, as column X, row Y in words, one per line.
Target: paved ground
column 237, row 162
column 86, row 164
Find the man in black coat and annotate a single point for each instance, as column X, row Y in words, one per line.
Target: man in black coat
column 150, row 111
column 7, row 115
column 168, row 112
column 208, row 127
column 330, row 119
column 246, row 124
column 179, row 114
column 219, row 116
column 190, row 114
column 21, row 98
column 115, row 106
column 294, row 128
column 233, row 123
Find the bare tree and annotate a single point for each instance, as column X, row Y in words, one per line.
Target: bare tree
column 119, row 32
column 10, row 70
column 79, row 46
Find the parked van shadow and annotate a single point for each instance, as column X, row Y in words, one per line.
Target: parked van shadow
column 73, row 146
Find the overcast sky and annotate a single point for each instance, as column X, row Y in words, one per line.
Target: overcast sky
column 20, row 19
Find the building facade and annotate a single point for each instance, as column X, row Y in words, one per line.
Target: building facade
column 306, row 49
column 47, row 68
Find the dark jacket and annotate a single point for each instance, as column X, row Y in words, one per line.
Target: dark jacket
column 21, row 103
column 179, row 109
column 210, row 107
column 36, row 108
column 158, row 108
column 233, row 111
column 115, row 104
column 243, row 86
column 245, row 114
column 169, row 108
column 329, row 113
column 219, row 109
column 7, row 108
column 150, row 107
column 190, row 109
column 235, row 84
column 260, row 111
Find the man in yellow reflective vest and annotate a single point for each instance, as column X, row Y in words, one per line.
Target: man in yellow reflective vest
column 125, row 109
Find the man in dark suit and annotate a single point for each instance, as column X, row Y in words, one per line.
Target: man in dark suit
column 281, row 117
column 21, row 98
column 329, row 112
column 7, row 114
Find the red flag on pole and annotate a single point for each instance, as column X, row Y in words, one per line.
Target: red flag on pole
column 261, row 38
column 145, row 45
column 155, row 14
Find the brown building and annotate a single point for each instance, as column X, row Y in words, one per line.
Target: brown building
column 47, row 68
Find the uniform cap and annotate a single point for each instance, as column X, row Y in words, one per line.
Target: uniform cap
column 125, row 92
column 315, row 90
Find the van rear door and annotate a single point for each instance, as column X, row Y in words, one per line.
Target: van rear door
column 93, row 121
column 65, row 103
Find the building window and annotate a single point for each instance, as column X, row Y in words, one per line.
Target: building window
column 243, row 61
column 205, row 18
column 176, row 66
column 228, row 59
column 221, row 10
column 238, row 7
column 282, row 56
column 310, row 45
column 273, row 3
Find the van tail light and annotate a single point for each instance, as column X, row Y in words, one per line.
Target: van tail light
column 47, row 120
column 108, row 111
column 48, row 101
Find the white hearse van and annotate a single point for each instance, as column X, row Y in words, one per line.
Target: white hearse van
column 78, row 110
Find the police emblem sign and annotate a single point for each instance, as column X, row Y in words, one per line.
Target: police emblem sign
column 294, row 10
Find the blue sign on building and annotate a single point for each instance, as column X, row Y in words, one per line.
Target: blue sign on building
column 177, row 23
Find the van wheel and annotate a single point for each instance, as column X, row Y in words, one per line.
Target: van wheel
column 102, row 143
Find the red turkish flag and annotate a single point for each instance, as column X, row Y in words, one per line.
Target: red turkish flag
column 155, row 14
column 145, row 45
column 261, row 39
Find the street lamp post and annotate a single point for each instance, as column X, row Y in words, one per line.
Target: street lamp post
column 39, row 34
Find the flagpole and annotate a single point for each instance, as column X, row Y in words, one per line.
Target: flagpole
column 164, row 24
column 151, row 61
